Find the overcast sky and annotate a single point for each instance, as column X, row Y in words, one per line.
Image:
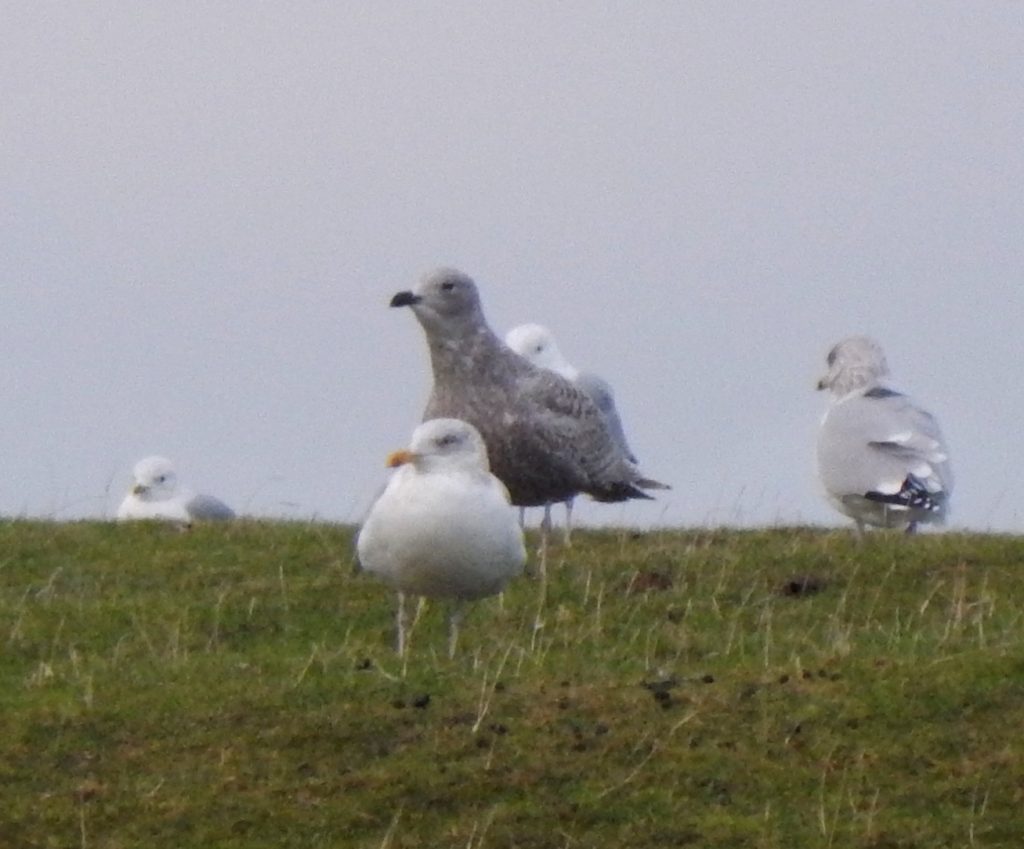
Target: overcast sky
column 205, row 208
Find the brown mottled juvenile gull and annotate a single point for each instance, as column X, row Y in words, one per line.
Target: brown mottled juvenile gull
column 881, row 458
column 546, row 439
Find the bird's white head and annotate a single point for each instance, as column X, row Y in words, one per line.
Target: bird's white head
column 537, row 344
column 155, row 479
column 444, row 444
column 854, row 363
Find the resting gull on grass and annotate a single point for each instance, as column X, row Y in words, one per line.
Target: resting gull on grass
column 155, row 494
column 537, row 344
column 546, row 439
column 881, row 458
column 443, row 527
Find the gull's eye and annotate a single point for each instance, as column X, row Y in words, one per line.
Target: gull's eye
column 161, row 478
column 448, row 285
column 447, row 439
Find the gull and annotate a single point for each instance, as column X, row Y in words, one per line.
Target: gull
column 443, row 527
column 537, row 344
column 155, row 494
column 546, row 439
column 881, row 458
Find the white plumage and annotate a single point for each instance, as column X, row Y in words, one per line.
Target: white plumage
column 881, row 458
column 156, row 494
column 443, row 527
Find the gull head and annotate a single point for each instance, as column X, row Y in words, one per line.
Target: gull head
column 444, row 445
column 445, row 300
column 854, row 363
column 537, row 344
column 155, row 479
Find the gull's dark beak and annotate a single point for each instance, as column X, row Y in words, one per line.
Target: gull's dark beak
column 822, row 384
column 405, row 299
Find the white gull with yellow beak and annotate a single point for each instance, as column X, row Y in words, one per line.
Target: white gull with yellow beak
column 443, row 527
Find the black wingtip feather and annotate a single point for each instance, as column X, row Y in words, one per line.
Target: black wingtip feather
column 619, row 492
column 913, row 495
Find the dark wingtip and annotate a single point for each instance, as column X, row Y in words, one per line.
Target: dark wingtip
column 405, row 299
column 620, row 492
column 882, row 392
column 912, row 495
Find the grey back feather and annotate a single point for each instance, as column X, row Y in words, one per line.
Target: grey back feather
column 207, row 507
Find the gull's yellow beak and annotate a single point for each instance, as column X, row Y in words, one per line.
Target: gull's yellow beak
column 400, row 458
column 138, row 489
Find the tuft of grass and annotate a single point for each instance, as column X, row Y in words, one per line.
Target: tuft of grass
column 234, row 686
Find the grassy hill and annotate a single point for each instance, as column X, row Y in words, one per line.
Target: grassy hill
column 235, row 686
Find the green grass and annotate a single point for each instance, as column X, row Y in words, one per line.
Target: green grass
column 235, row 686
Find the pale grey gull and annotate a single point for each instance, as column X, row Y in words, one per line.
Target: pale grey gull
column 881, row 458
column 156, row 494
column 537, row 344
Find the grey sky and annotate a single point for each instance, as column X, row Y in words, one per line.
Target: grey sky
column 205, row 208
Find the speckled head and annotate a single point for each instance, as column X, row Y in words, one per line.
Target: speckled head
column 445, row 299
column 853, row 363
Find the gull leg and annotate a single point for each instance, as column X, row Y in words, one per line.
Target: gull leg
column 568, row 522
column 400, row 626
column 858, row 530
column 522, row 518
column 455, row 615
column 545, row 528
column 911, row 529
